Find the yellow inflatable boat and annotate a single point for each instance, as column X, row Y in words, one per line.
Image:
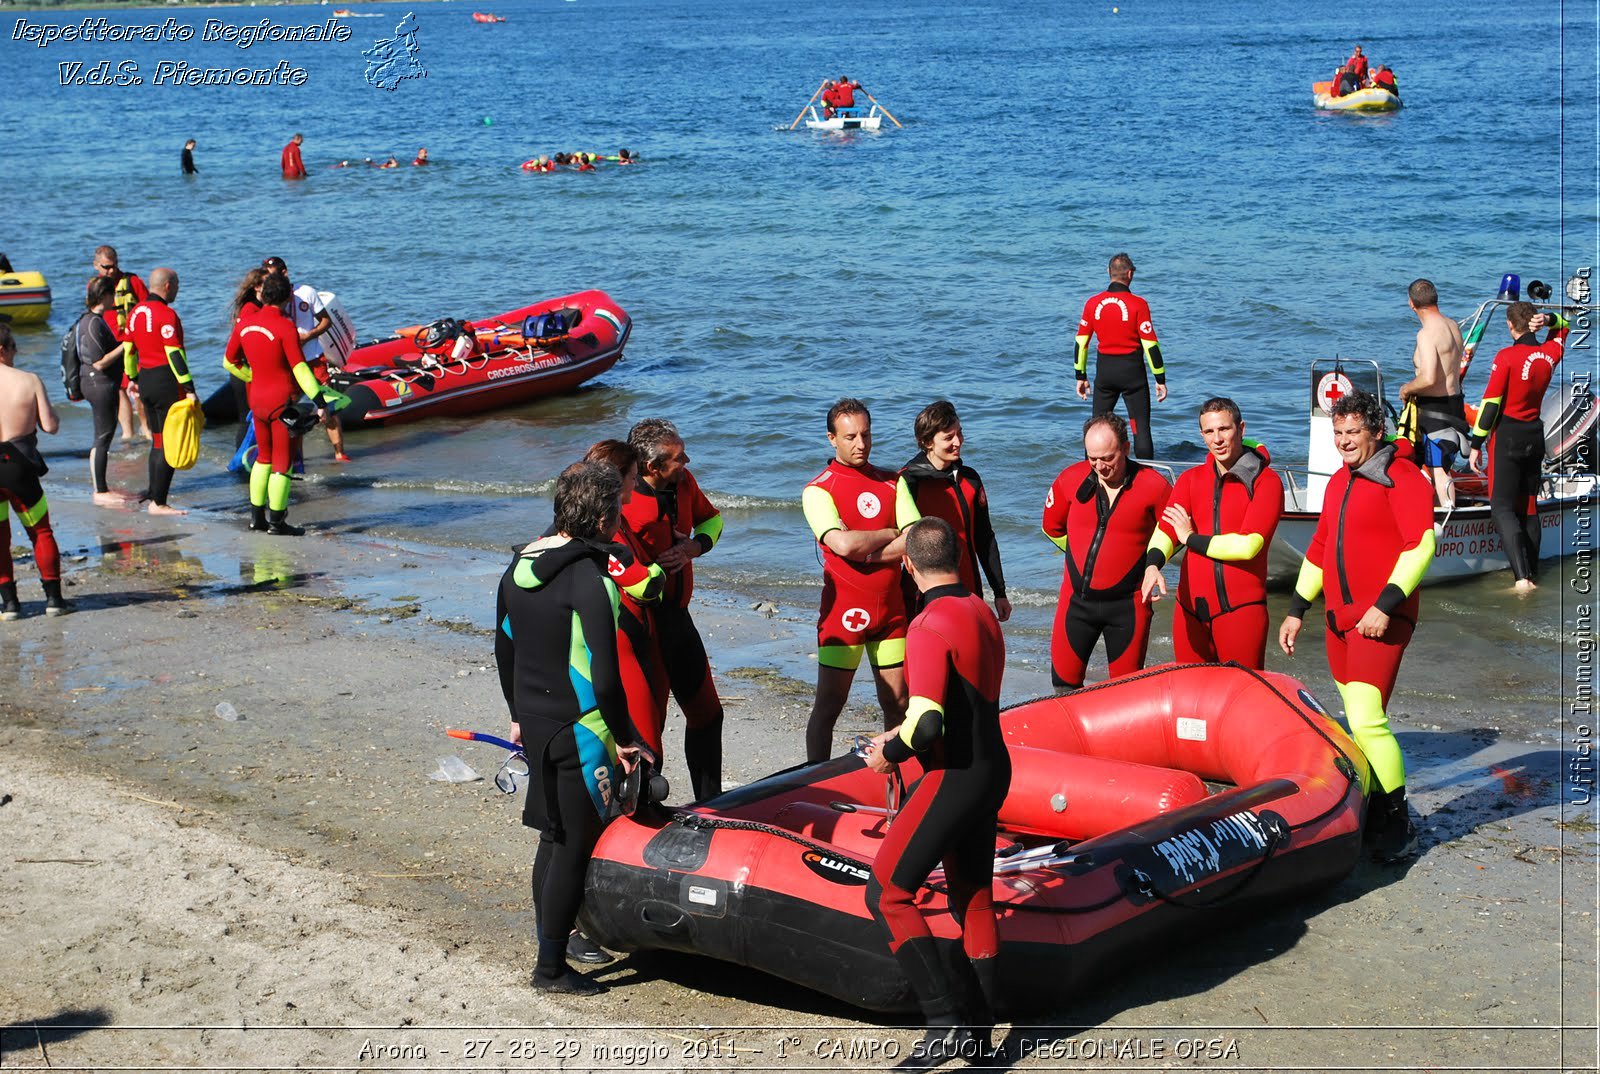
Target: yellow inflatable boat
column 24, row 297
column 1364, row 100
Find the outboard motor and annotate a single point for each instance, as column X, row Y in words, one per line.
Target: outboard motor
column 1570, row 418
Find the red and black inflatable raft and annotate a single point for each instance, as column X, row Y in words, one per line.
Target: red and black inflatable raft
column 455, row 367
column 1110, row 839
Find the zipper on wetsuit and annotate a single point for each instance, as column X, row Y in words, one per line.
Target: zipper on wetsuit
column 1104, row 505
column 1216, row 564
column 1338, row 543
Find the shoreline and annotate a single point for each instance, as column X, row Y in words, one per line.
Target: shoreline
column 297, row 868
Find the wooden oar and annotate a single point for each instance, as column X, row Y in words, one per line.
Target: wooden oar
column 884, row 110
column 814, row 96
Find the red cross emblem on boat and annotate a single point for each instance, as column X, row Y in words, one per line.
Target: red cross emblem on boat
column 856, row 620
column 1331, row 388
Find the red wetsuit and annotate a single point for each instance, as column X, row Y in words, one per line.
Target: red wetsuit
column 293, row 166
column 1357, row 65
column 861, row 602
column 654, row 519
column 1104, row 541
column 1371, row 517
column 957, row 495
column 1385, row 80
column 955, row 657
column 1510, row 411
column 267, row 341
column 163, row 374
column 1119, row 320
column 1221, row 610
column 845, row 94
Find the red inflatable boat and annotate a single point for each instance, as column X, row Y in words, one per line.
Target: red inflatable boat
column 458, row 367
column 1110, row 838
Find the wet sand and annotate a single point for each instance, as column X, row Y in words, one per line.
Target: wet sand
column 291, row 889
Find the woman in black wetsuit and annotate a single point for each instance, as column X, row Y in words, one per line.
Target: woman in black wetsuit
column 100, row 378
column 556, row 647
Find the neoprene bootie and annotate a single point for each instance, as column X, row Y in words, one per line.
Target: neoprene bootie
column 552, row 974
column 278, row 525
column 258, row 518
column 54, row 602
column 1395, row 839
column 10, row 607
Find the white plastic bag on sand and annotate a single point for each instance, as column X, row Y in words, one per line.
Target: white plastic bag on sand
column 453, row 769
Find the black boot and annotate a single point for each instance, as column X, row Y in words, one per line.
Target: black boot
column 552, row 974
column 943, row 1007
column 10, row 607
column 54, row 603
column 258, row 518
column 1395, row 838
column 278, row 525
column 940, row 1044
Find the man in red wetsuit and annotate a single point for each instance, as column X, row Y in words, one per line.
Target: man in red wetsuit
column 845, row 92
column 1510, row 411
column 1101, row 513
column 24, row 410
column 293, row 166
column 1120, row 322
column 1224, row 513
column 1372, row 546
column 856, row 512
column 161, row 366
column 942, row 485
column 1357, row 66
column 1385, row 80
column 955, row 659
column 671, row 523
column 264, row 351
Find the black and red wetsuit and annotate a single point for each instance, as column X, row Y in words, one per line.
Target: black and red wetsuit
column 957, row 495
column 1357, row 66
column 1221, row 610
column 1119, row 320
column 955, row 657
column 655, row 519
column 162, row 370
column 1104, row 540
column 1372, row 546
column 21, row 466
column 1510, row 411
column 1385, row 80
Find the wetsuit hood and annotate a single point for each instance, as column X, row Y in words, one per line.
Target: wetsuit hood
column 919, row 469
column 1248, row 467
column 1376, row 469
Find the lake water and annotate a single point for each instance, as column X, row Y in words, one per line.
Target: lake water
column 769, row 272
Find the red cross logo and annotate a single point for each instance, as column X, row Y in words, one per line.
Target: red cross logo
column 868, row 505
column 856, row 620
column 1330, row 389
column 614, row 567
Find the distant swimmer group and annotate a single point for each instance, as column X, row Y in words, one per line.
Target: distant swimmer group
column 579, row 162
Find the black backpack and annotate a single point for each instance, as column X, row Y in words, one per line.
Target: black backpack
column 71, row 365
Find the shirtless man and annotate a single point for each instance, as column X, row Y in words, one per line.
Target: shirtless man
column 24, row 410
column 1436, row 389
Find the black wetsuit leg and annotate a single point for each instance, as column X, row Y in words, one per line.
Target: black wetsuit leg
column 1518, row 455
column 562, row 861
column 1122, row 376
column 102, row 393
column 683, row 654
column 158, row 390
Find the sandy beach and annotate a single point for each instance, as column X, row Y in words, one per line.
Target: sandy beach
column 291, row 890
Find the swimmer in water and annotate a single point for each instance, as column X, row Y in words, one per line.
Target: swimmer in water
column 422, row 156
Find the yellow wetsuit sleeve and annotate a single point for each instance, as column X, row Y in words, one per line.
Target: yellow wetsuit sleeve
column 307, row 380
column 1158, row 551
column 822, row 514
column 906, row 510
column 1307, row 588
column 1152, row 357
column 1234, row 546
column 1059, row 542
column 130, row 361
column 710, row 529
column 923, row 724
column 178, row 362
column 1413, row 564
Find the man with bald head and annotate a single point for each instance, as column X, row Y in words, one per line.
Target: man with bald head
column 158, row 362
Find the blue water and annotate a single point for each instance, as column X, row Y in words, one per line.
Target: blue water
column 769, row 272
